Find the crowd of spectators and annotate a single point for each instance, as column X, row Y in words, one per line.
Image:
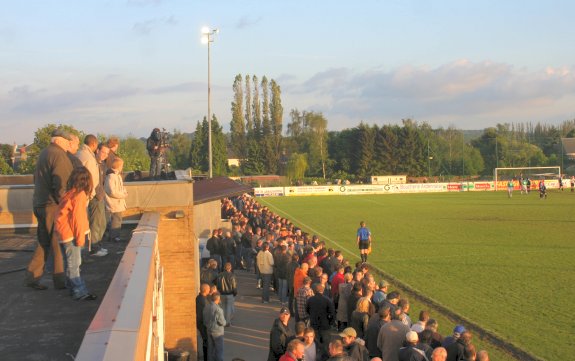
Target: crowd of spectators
column 340, row 311
column 78, row 202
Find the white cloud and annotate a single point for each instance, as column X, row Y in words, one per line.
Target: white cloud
column 461, row 89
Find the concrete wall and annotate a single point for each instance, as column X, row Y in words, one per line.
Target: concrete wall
column 16, row 200
column 207, row 217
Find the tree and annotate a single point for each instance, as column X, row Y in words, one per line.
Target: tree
column 386, row 150
column 5, row 168
column 413, row 153
column 364, row 157
column 254, row 163
column 198, row 158
column 257, row 109
column 200, row 151
column 133, row 151
column 179, row 152
column 297, row 166
column 276, row 112
column 237, row 124
column 219, row 148
column 266, row 121
column 341, row 147
column 249, row 115
column 316, row 132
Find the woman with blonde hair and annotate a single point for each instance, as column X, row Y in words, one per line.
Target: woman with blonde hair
column 360, row 317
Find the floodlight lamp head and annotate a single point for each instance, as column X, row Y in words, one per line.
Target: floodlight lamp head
column 205, row 30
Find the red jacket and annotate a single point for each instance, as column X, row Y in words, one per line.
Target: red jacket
column 337, row 279
column 288, row 357
column 71, row 220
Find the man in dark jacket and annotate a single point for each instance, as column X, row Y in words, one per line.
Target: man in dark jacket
column 321, row 313
column 53, row 169
column 213, row 244
column 375, row 324
column 228, row 289
column 201, row 301
column 209, row 272
column 355, row 347
column 456, row 351
column 229, row 247
column 281, row 263
column 279, row 335
column 410, row 352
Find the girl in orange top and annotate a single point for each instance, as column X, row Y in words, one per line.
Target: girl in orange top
column 72, row 226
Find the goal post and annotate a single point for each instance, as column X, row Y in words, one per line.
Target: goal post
column 540, row 172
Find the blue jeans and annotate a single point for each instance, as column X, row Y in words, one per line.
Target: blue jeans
column 72, row 262
column 228, row 307
column 215, row 347
column 266, row 281
column 282, row 290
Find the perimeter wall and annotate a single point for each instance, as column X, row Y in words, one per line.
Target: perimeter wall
column 395, row 188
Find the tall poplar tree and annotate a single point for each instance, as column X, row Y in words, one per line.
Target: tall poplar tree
column 267, row 142
column 257, row 109
column 248, row 114
column 237, row 124
column 276, row 118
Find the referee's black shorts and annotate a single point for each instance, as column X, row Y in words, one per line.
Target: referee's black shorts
column 364, row 244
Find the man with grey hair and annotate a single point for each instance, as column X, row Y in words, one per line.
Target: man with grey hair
column 53, row 169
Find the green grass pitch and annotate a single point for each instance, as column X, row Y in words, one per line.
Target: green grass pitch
column 504, row 263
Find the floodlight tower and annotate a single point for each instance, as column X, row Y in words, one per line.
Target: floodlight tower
column 207, row 38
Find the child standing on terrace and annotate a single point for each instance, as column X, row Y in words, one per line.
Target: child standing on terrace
column 72, row 226
column 115, row 197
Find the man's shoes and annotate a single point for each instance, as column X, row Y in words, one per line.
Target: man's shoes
column 36, row 286
column 87, row 297
column 117, row 239
column 101, row 253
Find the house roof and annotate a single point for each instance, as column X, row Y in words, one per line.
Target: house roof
column 569, row 147
column 217, row 188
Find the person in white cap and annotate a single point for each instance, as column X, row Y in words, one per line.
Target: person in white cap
column 410, row 352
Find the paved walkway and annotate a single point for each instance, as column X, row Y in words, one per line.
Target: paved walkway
column 248, row 337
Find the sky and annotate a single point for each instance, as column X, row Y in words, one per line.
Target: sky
column 123, row 67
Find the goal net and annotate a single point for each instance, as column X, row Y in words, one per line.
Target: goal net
column 503, row 175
